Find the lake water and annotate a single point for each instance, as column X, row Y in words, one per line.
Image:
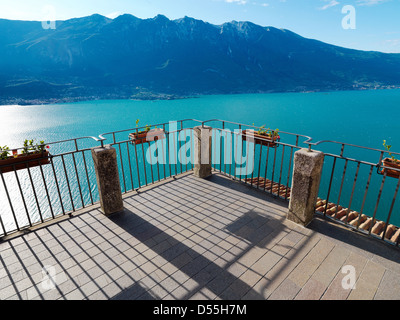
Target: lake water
column 358, row 117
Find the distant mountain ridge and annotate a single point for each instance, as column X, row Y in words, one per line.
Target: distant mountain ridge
column 100, row 58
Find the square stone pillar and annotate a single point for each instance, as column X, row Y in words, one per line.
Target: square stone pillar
column 107, row 176
column 202, row 151
column 307, row 170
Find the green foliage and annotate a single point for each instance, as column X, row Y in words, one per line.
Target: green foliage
column 4, row 151
column 262, row 130
column 275, row 133
column 30, row 147
column 147, row 128
column 268, row 132
column 41, row 146
column 388, row 147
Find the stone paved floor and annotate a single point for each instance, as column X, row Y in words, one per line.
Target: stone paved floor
column 195, row 239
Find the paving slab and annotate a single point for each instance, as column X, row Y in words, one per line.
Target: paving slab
column 200, row 239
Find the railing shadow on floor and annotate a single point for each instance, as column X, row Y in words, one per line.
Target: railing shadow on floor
column 210, row 271
column 205, row 230
column 81, row 263
column 356, row 239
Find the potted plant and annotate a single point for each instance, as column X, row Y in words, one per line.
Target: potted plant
column 262, row 136
column 146, row 135
column 30, row 152
column 391, row 162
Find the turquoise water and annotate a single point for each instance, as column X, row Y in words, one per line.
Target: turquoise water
column 356, row 117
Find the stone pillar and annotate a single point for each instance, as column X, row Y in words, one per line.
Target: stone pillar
column 107, row 176
column 202, row 150
column 307, row 170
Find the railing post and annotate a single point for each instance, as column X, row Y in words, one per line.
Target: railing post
column 307, row 170
column 107, row 176
column 202, row 150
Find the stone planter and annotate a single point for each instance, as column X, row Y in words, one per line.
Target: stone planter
column 147, row 136
column 23, row 161
column 261, row 139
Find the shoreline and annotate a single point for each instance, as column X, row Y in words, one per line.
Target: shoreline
column 163, row 97
column 50, row 101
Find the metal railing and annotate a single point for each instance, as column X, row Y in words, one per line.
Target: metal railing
column 40, row 191
column 352, row 191
column 359, row 193
column 273, row 162
column 137, row 167
column 355, row 190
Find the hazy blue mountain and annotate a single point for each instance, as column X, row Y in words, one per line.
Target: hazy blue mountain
column 96, row 57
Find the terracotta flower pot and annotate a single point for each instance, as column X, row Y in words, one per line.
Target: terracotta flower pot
column 147, row 136
column 388, row 162
column 23, row 160
column 261, row 139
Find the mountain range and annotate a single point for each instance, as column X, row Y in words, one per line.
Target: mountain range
column 96, row 57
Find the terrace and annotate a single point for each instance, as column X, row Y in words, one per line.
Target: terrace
column 179, row 236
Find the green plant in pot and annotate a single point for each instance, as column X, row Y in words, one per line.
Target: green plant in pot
column 146, row 135
column 391, row 162
column 31, row 155
column 263, row 136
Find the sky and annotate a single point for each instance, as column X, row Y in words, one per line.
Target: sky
column 358, row 24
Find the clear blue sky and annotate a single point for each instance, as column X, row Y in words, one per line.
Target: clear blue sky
column 377, row 21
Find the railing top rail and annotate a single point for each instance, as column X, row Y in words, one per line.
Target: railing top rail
column 75, row 140
column 153, row 125
column 256, row 127
column 309, row 140
column 344, row 144
column 251, row 138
